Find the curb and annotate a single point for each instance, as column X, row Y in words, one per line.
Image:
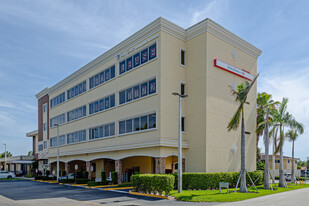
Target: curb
column 118, row 188
column 100, row 186
column 147, row 195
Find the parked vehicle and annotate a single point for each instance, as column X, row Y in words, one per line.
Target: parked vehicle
column 71, row 176
column 288, row 176
column 6, row 174
column 304, row 173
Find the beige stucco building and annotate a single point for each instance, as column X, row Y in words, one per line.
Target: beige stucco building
column 117, row 113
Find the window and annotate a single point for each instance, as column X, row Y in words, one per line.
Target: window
column 40, row 147
column 53, row 141
column 57, row 100
column 60, row 119
column 76, row 113
column 75, row 137
column 138, row 91
column 144, row 122
column 76, row 90
column 102, row 104
column 138, row 59
column 288, row 161
column 106, row 130
column 45, row 162
column 182, row 57
column 277, row 161
column 102, row 77
column 45, row 144
column 44, row 108
column 44, row 126
column 182, row 89
column 182, row 124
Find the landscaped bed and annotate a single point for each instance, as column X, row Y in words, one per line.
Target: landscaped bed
column 215, row 196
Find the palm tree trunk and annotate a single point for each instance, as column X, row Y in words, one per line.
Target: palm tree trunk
column 292, row 172
column 281, row 172
column 243, row 185
column 266, row 170
column 274, row 157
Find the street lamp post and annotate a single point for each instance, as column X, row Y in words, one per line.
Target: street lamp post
column 4, row 156
column 57, row 125
column 181, row 97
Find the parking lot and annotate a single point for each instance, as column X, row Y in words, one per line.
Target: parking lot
column 27, row 192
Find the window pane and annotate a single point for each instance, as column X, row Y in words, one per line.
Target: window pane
column 136, row 59
column 106, row 130
column 96, row 107
column 152, row 86
column 101, row 132
column 137, row 124
column 97, row 80
column 102, row 78
column 129, row 63
column 144, row 89
column 129, row 95
column 136, row 92
column 144, row 122
column 91, row 82
column 107, row 75
column 112, row 69
column 152, row 121
column 122, row 127
column 182, row 61
column 129, row 125
column 106, row 102
column 182, row 89
column 122, row 68
column 144, row 57
column 152, row 52
column 122, row 97
column 112, row 100
column 101, row 104
column 112, row 129
column 182, row 124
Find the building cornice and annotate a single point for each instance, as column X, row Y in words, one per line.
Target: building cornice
column 160, row 24
column 145, row 144
column 32, row 133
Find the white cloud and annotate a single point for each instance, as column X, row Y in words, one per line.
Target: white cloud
column 214, row 10
column 6, row 104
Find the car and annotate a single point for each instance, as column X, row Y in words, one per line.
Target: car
column 69, row 176
column 288, row 176
column 303, row 174
column 7, row 174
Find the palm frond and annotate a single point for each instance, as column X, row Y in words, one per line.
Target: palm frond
column 234, row 123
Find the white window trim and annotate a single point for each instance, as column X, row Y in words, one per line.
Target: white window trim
column 44, row 105
column 182, row 49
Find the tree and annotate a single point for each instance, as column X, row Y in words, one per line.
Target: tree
column 296, row 129
column 8, row 154
column 30, row 153
column 265, row 107
column 282, row 119
column 241, row 94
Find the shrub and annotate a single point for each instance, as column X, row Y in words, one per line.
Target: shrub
column 260, row 165
column 127, row 184
column 103, row 176
column 37, row 177
column 68, row 180
column 85, row 174
column 82, row 181
column 47, row 173
column 29, row 175
column 206, row 181
column 63, row 173
column 114, row 177
column 153, row 183
column 93, row 183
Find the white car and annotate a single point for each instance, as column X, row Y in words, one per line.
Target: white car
column 6, row 174
column 288, row 176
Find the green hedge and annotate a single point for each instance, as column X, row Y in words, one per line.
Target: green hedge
column 153, row 183
column 94, row 183
column 114, row 177
column 206, row 181
column 82, row 181
column 68, row 180
column 126, row 184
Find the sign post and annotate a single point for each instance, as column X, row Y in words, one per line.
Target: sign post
column 76, row 168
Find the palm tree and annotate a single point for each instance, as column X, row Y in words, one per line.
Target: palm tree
column 282, row 119
column 265, row 106
column 296, row 129
column 241, row 97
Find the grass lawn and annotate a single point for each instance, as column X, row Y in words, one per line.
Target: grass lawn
column 215, row 196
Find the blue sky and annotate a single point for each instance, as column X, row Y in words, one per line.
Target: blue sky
column 41, row 42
